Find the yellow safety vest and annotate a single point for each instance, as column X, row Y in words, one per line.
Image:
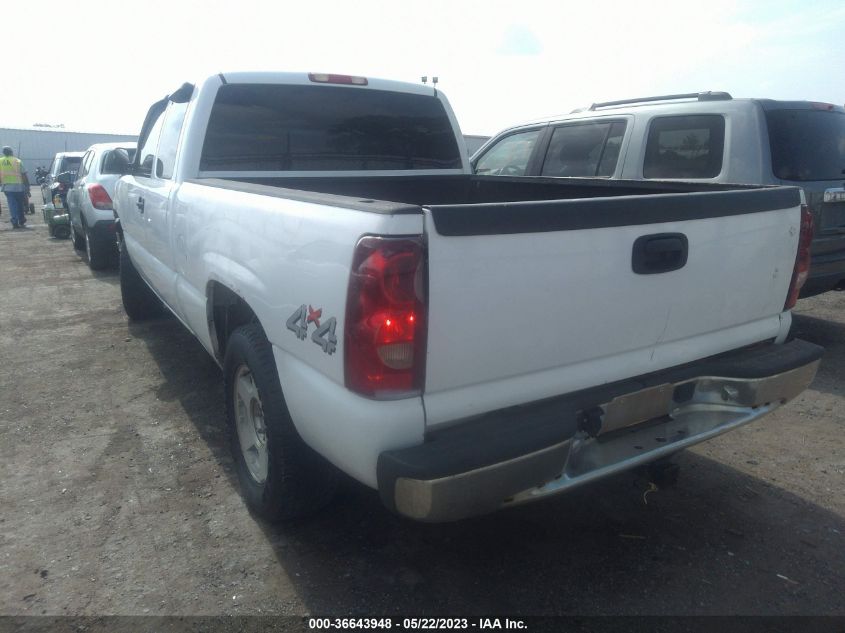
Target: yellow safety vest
column 10, row 171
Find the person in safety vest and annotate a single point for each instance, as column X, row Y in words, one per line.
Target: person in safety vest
column 15, row 184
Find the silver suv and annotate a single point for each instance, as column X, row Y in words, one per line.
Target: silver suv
column 89, row 202
column 701, row 137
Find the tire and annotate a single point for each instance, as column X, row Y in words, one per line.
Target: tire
column 291, row 481
column 96, row 252
column 78, row 242
column 139, row 302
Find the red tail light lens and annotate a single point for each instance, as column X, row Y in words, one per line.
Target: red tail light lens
column 386, row 318
column 802, row 259
column 99, row 197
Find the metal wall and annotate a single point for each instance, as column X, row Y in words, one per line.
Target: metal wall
column 474, row 142
column 37, row 147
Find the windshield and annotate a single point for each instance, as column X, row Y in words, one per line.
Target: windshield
column 807, row 144
column 316, row 128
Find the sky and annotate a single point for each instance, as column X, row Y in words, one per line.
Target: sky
column 499, row 63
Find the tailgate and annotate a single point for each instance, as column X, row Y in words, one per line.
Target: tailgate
column 529, row 300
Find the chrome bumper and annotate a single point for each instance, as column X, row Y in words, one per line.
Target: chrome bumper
column 625, row 431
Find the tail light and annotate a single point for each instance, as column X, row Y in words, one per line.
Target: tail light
column 99, row 197
column 385, row 333
column 802, row 259
column 329, row 78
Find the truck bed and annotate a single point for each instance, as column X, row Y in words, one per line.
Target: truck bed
column 405, row 194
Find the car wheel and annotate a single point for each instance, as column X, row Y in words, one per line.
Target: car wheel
column 77, row 241
column 98, row 256
column 139, row 302
column 281, row 477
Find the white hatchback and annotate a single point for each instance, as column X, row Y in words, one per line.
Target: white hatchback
column 90, row 202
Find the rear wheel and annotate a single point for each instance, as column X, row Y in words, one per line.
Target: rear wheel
column 98, row 255
column 78, row 241
column 281, row 477
column 139, row 301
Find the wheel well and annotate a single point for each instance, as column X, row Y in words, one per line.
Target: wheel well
column 227, row 311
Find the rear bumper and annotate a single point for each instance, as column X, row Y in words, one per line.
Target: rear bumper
column 103, row 231
column 827, row 266
column 53, row 216
column 529, row 452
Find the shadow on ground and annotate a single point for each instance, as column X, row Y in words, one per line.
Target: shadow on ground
column 720, row 542
column 830, row 335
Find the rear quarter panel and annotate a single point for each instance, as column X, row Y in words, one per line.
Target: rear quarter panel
column 278, row 255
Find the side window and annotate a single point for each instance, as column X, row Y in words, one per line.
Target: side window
column 685, row 147
column 174, row 117
column 612, row 148
column 508, row 157
column 584, row 150
column 148, row 149
column 54, row 167
column 86, row 164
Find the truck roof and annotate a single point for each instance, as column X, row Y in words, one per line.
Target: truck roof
column 680, row 104
column 304, row 78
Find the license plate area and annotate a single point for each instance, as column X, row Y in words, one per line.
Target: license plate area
column 833, row 215
column 637, row 407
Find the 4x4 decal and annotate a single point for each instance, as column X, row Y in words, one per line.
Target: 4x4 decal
column 324, row 335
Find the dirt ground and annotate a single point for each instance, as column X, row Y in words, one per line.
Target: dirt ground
column 117, row 493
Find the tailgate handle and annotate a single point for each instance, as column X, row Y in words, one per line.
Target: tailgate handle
column 659, row 253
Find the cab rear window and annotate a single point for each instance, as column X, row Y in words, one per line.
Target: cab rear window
column 685, row 147
column 326, row 128
column 67, row 163
column 807, row 144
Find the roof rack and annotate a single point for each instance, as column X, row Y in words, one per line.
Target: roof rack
column 700, row 96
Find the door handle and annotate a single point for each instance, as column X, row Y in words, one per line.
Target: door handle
column 659, row 253
column 140, row 204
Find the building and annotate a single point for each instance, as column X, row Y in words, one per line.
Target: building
column 36, row 146
column 474, row 142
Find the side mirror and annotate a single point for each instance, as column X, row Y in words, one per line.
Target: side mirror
column 66, row 178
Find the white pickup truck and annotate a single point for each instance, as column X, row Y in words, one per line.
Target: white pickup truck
column 460, row 343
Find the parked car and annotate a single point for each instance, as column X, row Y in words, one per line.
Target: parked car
column 54, row 190
column 459, row 343
column 89, row 202
column 702, row 137
column 50, row 186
